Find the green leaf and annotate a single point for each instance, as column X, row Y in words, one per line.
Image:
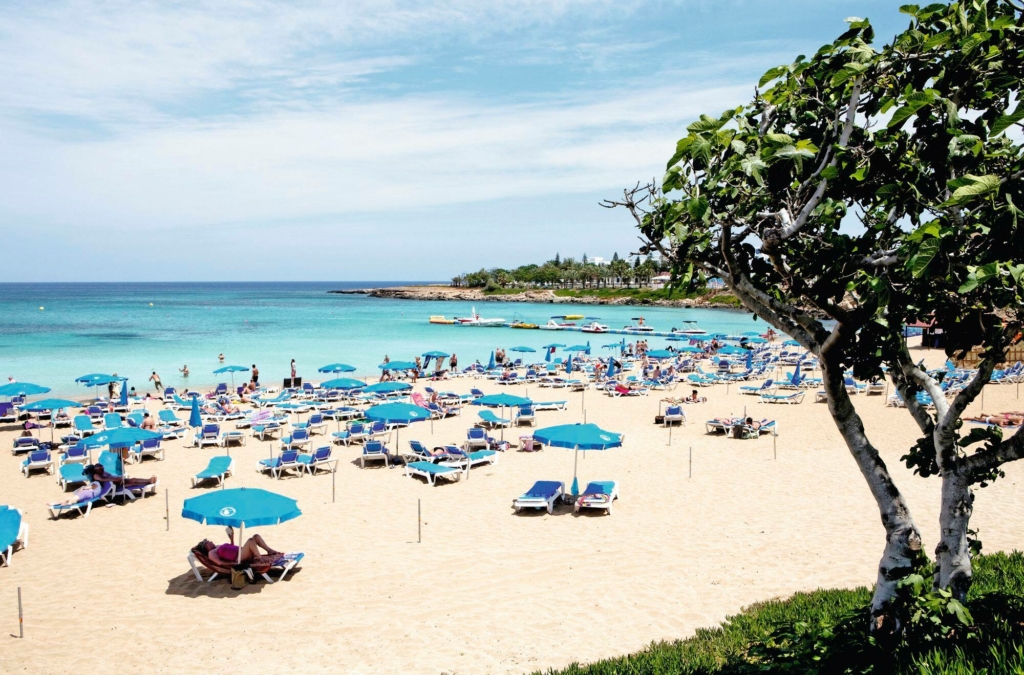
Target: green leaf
column 739, row 147
column 792, row 152
column 697, row 207
column 937, row 40
column 971, row 43
column 1006, row 121
column 772, row 74
column 781, row 139
column 753, row 166
column 925, row 254
column 978, row 186
column 682, row 150
column 705, row 123
column 912, row 10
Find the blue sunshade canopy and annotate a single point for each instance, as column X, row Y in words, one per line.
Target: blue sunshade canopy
column 580, row 436
column 230, row 369
column 120, row 437
column 689, row 349
column 554, row 345
column 51, row 404
column 195, row 420
column 397, row 413
column 522, row 349
column 732, row 350
column 436, row 355
column 343, row 383
column 100, row 380
column 22, row 389
column 337, row 368
column 577, row 348
column 660, row 354
column 387, row 387
column 501, row 401
column 397, row 365
column 238, row 507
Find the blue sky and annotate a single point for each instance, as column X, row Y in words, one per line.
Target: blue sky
column 358, row 140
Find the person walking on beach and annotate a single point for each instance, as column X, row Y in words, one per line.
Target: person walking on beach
column 453, row 363
column 293, row 369
column 156, row 382
column 255, row 374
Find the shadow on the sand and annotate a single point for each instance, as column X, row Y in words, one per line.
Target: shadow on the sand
column 186, row 586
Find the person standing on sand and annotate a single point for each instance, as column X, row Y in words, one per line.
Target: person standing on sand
column 453, row 363
column 293, row 369
column 255, row 374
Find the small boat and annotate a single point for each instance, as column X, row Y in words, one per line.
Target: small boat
column 639, row 326
column 572, row 317
column 690, row 328
column 559, row 323
column 594, row 327
column 441, row 319
column 475, row 320
column 524, row 325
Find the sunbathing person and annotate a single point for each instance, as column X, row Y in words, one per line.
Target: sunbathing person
column 228, row 554
column 148, row 422
column 100, row 474
column 752, row 424
column 1001, row 420
column 86, row 493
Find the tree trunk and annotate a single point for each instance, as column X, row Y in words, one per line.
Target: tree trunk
column 902, row 538
column 952, row 554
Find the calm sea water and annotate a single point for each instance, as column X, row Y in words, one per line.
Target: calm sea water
column 134, row 328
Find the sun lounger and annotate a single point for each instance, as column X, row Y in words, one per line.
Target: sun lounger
column 209, row 435
column 37, row 460
column 422, row 453
column 266, row 430
column 168, row 418
column 7, row 412
column 285, row 564
column 69, row 474
column 321, row 457
column 492, row 421
column 13, row 531
column 476, row 438
column 286, row 461
column 219, row 468
column 298, row 439
column 700, row 380
column 232, row 436
column 543, row 495
column 550, row 405
column 766, row 387
column 83, row 426
column 374, row 451
column 314, row 424
column 83, row 507
column 460, row 458
column 24, row 444
column 598, row 495
column 343, row 413
column 525, row 414
column 74, row 454
column 789, row 399
column 431, row 472
column 674, row 414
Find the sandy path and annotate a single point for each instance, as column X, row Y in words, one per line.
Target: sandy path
column 486, row 591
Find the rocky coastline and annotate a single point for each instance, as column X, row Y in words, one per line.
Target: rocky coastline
column 449, row 293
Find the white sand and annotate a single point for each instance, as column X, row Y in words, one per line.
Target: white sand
column 487, row 591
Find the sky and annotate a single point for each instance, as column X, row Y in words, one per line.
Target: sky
column 358, row 140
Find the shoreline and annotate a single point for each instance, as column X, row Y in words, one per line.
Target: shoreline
column 451, row 294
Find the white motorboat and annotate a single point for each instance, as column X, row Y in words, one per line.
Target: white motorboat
column 639, row 326
column 476, row 320
column 689, row 328
column 594, row 327
column 558, row 323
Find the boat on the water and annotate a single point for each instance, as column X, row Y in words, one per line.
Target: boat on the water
column 639, row 326
column 594, row 327
column 572, row 317
column 560, row 322
column 523, row 325
column 689, row 328
column 441, row 319
column 476, row 320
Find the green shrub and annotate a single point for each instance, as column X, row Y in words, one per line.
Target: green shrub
column 826, row 632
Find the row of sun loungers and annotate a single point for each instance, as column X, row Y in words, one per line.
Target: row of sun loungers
column 546, row 493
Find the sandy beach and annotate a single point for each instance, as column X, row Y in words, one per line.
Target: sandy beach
column 487, row 591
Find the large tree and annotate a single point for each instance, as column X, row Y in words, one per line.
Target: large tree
column 863, row 189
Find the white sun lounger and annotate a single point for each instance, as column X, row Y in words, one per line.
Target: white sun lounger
column 542, row 495
column 598, row 495
column 433, row 471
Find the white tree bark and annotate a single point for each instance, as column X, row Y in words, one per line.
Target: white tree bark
column 952, row 554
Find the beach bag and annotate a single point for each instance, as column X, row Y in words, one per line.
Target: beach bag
column 659, row 419
column 239, row 577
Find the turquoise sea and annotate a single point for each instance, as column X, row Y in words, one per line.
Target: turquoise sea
column 52, row 333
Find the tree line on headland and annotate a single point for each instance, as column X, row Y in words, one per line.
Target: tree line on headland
column 567, row 273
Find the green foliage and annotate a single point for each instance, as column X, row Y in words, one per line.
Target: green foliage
column 827, row 632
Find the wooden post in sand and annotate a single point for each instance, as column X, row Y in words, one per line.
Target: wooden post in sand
column 21, row 617
column 334, row 471
column 691, row 463
column 167, row 508
column 775, row 452
column 419, row 521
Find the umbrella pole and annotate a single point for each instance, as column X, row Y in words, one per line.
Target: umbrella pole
column 241, row 538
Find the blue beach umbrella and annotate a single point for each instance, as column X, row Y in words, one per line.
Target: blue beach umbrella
column 524, row 350
column 239, row 507
column 343, row 383
column 22, row 389
column 611, row 367
column 568, row 365
column 750, row 361
column 578, row 348
column 790, row 343
column 547, row 354
column 660, row 354
column 86, row 379
column 398, row 365
column 122, row 437
column 501, row 401
column 397, row 413
column 689, row 349
column 387, row 387
column 756, row 340
column 554, row 345
column 124, row 394
column 729, row 349
column 195, row 420
column 578, row 437
column 49, row 405
column 614, row 345
column 232, row 370
column 336, row 368
column 490, row 364
column 433, row 355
